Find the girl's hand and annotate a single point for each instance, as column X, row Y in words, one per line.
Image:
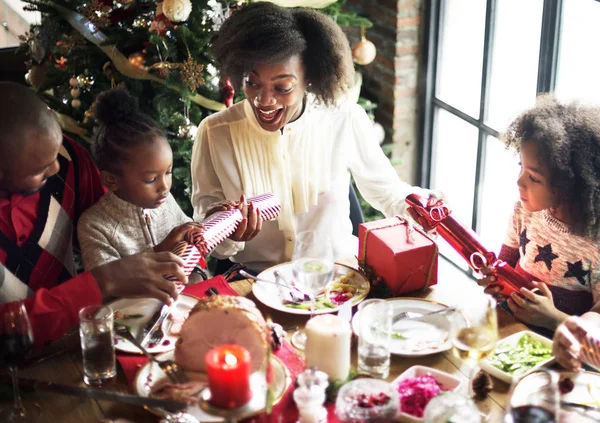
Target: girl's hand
column 177, row 235
column 488, row 279
column 536, row 309
column 251, row 223
column 566, row 345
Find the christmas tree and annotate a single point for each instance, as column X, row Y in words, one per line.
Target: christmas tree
column 158, row 51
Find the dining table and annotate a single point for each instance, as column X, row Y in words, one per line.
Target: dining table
column 63, row 360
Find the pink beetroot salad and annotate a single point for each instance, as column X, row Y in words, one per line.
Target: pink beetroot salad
column 415, row 393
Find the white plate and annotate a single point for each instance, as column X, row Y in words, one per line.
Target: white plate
column 269, row 294
column 425, row 337
column 446, row 381
column 150, row 371
column 586, row 390
column 147, row 307
column 513, row 340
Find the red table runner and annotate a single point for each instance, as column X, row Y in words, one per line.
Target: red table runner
column 285, row 410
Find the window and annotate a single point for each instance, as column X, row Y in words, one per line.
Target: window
column 15, row 22
column 486, row 62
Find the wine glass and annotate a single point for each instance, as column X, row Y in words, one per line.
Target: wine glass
column 475, row 340
column 312, row 264
column 534, row 398
column 17, row 342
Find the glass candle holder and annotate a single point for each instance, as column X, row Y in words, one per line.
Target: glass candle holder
column 367, row 400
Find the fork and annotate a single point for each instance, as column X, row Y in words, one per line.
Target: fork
column 413, row 315
column 296, row 294
column 171, row 369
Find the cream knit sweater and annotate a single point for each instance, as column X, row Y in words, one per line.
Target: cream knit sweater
column 114, row 228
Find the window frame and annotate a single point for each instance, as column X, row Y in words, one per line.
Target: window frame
column 433, row 13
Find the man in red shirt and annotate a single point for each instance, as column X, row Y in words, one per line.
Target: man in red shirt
column 46, row 182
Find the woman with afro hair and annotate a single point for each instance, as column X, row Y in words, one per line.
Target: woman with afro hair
column 553, row 235
column 293, row 135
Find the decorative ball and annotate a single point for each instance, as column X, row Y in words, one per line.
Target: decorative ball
column 37, row 51
column 162, row 73
column 73, row 82
column 85, row 80
column 187, row 130
column 177, row 10
column 364, row 52
column 75, row 92
column 76, row 103
column 137, row 59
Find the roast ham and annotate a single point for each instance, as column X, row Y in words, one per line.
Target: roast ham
column 220, row 320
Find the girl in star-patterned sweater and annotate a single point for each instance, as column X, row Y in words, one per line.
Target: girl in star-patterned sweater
column 554, row 231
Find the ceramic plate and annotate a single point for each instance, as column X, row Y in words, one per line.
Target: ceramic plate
column 150, row 374
column 512, row 340
column 273, row 296
column 135, row 313
column 586, row 390
column 415, row 337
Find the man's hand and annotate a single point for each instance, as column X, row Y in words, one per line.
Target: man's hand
column 488, row 281
column 141, row 275
column 535, row 309
column 566, row 345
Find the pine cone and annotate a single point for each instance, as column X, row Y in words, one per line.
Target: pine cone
column 482, row 385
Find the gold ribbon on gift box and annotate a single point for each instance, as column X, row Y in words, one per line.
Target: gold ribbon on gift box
column 94, row 36
column 410, row 228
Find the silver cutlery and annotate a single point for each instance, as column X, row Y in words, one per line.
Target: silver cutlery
column 297, row 295
column 410, row 315
column 171, row 369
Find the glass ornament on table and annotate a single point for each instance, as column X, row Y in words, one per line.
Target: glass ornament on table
column 16, row 342
column 477, row 339
column 312, row 264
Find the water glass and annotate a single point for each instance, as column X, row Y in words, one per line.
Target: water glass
column 97, row 345
column 374, row 338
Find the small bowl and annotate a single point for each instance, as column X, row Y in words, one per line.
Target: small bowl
column 446, row 381
column 513, row 340
column 347, row 409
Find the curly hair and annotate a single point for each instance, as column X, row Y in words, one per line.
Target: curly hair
column 567, row 137
column 121, row 126
column 264, row 33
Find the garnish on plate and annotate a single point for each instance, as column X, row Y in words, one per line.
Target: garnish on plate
column 416, row 392
column 119, row 315
column 337, row 292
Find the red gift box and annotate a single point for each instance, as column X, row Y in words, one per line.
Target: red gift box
column 402, row 255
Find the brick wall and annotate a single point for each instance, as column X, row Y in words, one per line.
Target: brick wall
column 391, row 79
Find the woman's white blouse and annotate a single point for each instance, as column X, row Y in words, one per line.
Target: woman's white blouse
column 307, row 165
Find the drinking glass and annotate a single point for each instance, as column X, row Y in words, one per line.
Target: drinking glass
column 97, row 345
column 477, row 339
column 367, row 401
column 374, row 338
column 313, row 270
column 534, row 398
column 16, row 342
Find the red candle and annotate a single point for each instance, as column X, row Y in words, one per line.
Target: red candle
column 228, row 368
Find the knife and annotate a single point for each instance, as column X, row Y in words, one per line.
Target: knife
column 99, row 394
column 150, row 324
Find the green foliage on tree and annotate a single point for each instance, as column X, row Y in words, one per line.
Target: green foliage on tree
column 128, row 43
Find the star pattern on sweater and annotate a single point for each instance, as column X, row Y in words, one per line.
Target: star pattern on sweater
column 546, row 255
column 575, row 270
column 523, row 240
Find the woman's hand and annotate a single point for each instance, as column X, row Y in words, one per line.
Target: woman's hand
column 177, row 235
column 536, row 309
column 566, row 345
column 488, row 281
column 251, row 223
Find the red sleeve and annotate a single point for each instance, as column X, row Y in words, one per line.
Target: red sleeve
column 90, row 187
column 510, row 255
column 53, row 312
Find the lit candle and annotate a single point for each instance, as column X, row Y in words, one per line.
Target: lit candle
column 328, row 345
column 228, row 369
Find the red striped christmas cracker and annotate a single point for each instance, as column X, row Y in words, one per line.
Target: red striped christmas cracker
column 590, row 349
column 220, row 225
column 191, row 256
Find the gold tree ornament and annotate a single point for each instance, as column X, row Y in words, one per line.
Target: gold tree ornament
column 177, row 10
column 137, row 59
column 96, row 12
column 191, row 73
column 364, row 51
